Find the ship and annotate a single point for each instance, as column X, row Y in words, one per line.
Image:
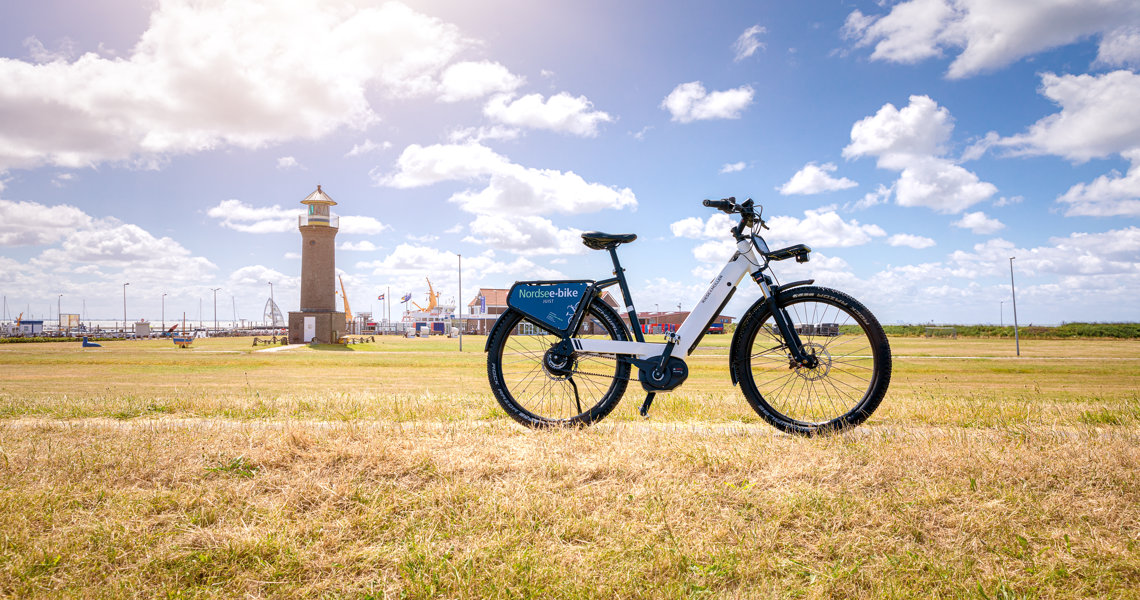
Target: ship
column 435, row 316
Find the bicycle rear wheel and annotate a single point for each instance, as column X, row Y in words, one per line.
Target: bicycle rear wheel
column 540, row 388
column 842, row 390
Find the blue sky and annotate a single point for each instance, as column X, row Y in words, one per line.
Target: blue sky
column 915, row 145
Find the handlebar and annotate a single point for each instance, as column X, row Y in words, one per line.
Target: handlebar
column 746, row 210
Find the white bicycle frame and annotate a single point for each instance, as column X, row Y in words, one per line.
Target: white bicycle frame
column 743, row 262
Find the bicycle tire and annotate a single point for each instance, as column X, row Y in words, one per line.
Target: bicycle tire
column 534, row 395
column 842, row 391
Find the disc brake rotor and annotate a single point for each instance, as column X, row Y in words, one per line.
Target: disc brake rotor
column 822, row 366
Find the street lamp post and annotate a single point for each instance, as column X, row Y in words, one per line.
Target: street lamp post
column 1013, row 292
column 58, row 314
column 164, row 311
column 215, row 290
column 1001, row 316
column 460, row 302
column 125, row 308
column 271, row 303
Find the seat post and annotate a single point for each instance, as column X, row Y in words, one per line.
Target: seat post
column 630, row 310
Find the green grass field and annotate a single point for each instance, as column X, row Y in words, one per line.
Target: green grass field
column 388, row 470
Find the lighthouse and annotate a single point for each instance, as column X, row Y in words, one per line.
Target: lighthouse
column 318, row 319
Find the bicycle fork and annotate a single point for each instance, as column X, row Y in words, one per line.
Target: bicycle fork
column 784, row 322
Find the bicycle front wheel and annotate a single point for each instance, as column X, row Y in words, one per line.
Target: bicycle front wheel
column 852, row 371
column 539, row 387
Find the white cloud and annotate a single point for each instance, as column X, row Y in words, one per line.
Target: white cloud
column 881, row 195
column 1115, row 252
column 815, row 179
column 733, row 167
column 510, row 188
column 361, row 246
column 471, row 80
column 287, row 162
column 989, row 34
column 1100, row 116
column 530, row 234
column 921, row 128
column 912, row 141
column 128, row 248
column 561, row 112
column 202, row 77
column 419, row 166
column 667, row 293
column 748, row 43
column 406, row 266
column 40, row 54
column 978, row 222
column 1112, row 195
column 240, row 216
column 941, row 185
column 821, row 228
column 357, row 224
column 1120, row 48
column 690, row 102
column 476, row 135
column 1010, row 200
column 34, row 224
column 409, row 259
column 715, row 228
column 824, row 228
column 908, row 34
column 715, row 252
column 366, row 147
column 254, row 279
column 910, row 241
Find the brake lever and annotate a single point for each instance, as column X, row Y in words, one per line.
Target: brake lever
column 760, row 217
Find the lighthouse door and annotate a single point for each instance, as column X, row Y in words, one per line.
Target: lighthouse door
column 310, row 329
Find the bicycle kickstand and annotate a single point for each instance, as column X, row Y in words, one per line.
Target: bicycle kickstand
column 645, row 405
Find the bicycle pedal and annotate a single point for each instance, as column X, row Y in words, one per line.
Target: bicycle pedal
column 644, row 411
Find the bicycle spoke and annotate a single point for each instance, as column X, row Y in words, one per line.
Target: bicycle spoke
column 835, row 385
column 554, row 393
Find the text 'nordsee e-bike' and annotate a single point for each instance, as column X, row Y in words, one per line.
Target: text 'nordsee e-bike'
column 808, row 359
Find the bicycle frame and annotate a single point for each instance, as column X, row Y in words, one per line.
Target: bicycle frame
column 719, row 292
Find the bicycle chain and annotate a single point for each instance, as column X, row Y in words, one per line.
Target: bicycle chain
column 577, row 372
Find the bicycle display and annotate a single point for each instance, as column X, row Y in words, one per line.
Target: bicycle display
column 808, row 359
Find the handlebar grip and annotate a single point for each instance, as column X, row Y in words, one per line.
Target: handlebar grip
column 725, row 204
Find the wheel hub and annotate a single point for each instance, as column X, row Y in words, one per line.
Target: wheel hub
column 822, row 359
column 557, row 365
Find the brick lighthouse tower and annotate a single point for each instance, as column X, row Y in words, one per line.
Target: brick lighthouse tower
column 318, row 319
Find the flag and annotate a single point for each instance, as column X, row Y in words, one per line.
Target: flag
column 380, row 297
column 407, row 297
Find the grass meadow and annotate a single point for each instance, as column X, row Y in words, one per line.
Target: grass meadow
column 387, row 470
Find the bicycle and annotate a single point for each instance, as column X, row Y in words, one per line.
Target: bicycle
column 809, row 360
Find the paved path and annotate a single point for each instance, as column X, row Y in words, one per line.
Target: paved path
column 280, row 348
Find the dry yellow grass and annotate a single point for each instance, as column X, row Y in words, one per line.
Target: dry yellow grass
column 140, row 472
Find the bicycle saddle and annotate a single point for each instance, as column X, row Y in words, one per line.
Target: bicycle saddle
column 597, row 240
